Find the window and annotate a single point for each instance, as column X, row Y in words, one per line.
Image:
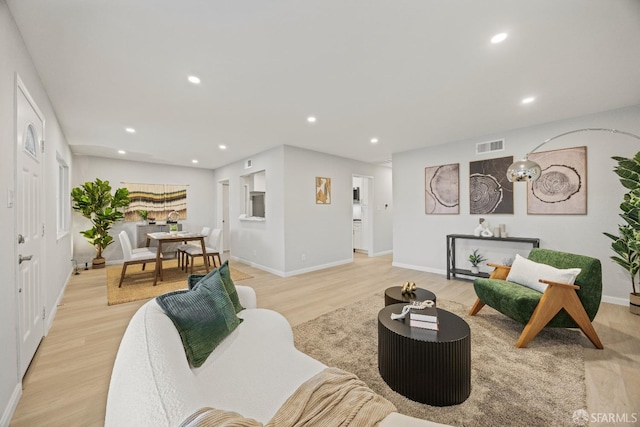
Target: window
column 63, row 197
column 253, row 195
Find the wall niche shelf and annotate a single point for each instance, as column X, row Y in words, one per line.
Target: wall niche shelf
column 452, row 270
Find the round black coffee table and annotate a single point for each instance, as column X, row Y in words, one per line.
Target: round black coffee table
column 394, row 295
column 432, row 367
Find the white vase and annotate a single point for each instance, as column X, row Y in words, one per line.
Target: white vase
column 474, row 269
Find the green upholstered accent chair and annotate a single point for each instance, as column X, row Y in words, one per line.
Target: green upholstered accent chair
column 561, row 305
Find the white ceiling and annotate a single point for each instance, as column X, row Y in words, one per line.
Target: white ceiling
column 409, row 72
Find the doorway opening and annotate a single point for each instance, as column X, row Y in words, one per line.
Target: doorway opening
column 362, row 216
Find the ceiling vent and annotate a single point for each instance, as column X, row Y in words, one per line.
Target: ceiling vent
column 490, row 146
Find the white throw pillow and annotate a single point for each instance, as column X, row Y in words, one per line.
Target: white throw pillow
column 527, row 273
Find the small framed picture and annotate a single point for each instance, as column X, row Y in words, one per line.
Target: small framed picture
column 323, row 190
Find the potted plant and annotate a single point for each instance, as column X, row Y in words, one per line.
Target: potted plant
column 476, row 258
column 96, row 203
column 626, row 244
column 143, row 214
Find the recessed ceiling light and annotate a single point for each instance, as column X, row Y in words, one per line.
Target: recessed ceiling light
column 193, row 79
column 130, row 130
column 194, row 161
column 528, row 100
column 311, row 119
column 122, row 152
column 499, row 38
column 222, row 147
column 374, row 140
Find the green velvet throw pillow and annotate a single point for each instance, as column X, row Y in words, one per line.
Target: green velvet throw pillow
column 203, row 316
column 225, row 273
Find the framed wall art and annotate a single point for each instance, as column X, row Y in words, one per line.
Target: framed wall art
column 323, row 190
column 562, row 186
column 442, row 189
column 490, row 192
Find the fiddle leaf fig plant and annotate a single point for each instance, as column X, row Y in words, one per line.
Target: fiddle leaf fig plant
column 626, row 244
column 96, row 203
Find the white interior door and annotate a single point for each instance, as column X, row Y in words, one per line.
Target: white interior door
column 29, row 167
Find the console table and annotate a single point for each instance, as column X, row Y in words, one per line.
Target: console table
column 452, row 270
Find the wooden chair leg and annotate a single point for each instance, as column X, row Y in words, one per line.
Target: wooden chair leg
column 553, row 300
column 124, row 270
column 476, row 307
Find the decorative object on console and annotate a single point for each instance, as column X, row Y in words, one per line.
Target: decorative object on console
column 323, row 190
column 442, row 189
column 144, row 215
column 476, row 258
column 627, row 243
column 483, row 229
column 562, row 185
column 489, row 190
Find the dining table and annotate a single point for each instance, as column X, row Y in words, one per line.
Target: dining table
column 174, row 237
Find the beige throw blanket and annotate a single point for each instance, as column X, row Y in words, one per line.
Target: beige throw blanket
column 331, row 398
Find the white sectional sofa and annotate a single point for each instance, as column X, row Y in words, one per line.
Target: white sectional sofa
column 252, row 372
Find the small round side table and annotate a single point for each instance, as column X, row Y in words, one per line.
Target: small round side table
column 394, row 295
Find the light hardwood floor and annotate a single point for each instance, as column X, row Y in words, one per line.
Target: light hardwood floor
column 68, row 380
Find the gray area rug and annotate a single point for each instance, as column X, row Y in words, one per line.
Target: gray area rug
column 541, row 385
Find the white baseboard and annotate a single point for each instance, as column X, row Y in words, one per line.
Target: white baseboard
column 51, row 314
column 383, row 253
column 293, row 272
column 9, row 410
column 615, row 300
column 317, row 267
column 420, row 268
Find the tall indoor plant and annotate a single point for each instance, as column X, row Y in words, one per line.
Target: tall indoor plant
column 626, row 244
column 96, row 203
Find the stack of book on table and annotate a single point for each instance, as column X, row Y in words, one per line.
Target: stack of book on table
column 426, row 318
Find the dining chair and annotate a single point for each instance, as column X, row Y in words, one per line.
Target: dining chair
column 213, row 248
column 134, row 256
column 183, row 247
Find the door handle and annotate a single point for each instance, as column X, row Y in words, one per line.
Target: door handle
column 21, row 258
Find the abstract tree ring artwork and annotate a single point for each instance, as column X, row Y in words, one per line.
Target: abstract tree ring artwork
column 562, row 186
column 442, row 189
column 323, row 190
column 489, row 190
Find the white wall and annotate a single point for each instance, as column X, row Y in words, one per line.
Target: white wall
column 294, row 224
column 323, row 233
column 258, row 243
column 200, row 197
column 419, row 240
column 57, row 263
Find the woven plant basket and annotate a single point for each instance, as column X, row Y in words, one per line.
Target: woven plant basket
column 634, row 303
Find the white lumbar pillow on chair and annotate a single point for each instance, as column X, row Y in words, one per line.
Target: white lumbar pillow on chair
column 528, row 273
